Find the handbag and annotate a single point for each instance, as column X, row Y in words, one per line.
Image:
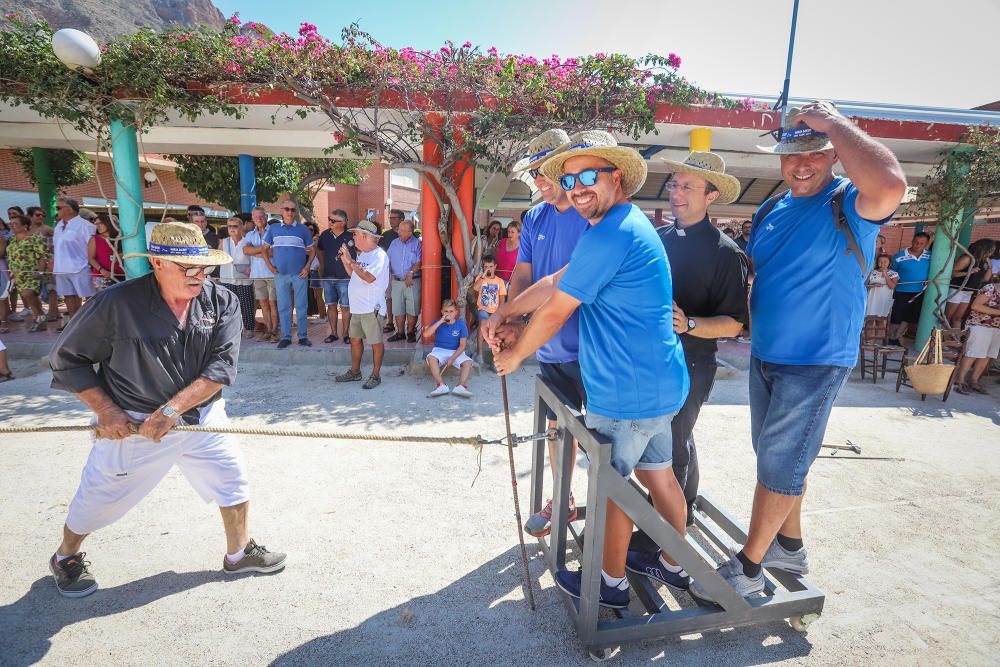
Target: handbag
column 926, row 376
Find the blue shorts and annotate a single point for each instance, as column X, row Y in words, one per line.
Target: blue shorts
column 565, row 377
column 483, row 315
column 335, row 292
column 789, row 410
column 314, row 281
column 643, row 444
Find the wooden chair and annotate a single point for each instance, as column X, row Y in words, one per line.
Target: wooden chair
column 953, row 342
column 875, row 341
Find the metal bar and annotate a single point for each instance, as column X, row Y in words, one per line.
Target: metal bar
column 593, row 547
column 739, row 200
column 788, row 64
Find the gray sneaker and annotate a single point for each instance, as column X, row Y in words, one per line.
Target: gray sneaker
column 372, row 382
column 776, row 556
column 255, row 559
column 540, row 523
column 73, row 577
column 732, row 572
column 349, row 376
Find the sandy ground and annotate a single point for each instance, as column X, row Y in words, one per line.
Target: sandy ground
column 395, row 559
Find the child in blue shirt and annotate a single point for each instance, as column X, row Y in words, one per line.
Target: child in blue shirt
column 450, row 337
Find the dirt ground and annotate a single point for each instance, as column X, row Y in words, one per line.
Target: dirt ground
column 396, row 558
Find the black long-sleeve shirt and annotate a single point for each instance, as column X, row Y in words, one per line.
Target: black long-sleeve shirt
column 143, row 356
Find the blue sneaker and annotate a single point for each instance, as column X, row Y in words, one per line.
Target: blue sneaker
column 612, row 598
column 649, row 565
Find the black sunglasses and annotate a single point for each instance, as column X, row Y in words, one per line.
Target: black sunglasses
column 285, row 208
column 535, row 173
column 587, row 177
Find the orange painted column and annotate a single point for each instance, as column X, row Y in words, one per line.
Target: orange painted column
column 430, row 284
column 465, row 183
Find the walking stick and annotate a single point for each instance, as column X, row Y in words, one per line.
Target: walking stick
column 513, row 484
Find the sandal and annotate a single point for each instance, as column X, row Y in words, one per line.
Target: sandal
column 6, row 377
column 332, row 338
column 978, row 388
column 961, row 388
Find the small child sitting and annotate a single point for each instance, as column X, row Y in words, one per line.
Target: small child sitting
column 492, row 291
column 450, row 336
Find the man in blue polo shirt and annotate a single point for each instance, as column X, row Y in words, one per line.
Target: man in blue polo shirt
column 291, row 248
column 913, row 265
column 549, row 234
column 631, row 358
column 807, row 306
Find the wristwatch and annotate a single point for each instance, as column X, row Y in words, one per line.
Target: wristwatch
column 691, row 324
column 170, row 412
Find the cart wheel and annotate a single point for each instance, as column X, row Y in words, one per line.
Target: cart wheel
column 603, row 654
column 802, row 623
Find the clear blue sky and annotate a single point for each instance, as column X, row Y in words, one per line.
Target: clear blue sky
column 916, row 52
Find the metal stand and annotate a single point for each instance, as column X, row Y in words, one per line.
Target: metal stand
column 786, row 596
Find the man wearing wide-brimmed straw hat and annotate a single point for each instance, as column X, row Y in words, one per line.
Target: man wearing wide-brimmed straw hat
column 811, row 248
column 710, row 296
column 549, row 235
column 165, row 345
column 630, row 357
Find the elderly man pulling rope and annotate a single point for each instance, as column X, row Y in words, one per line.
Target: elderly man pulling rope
column 164, row 345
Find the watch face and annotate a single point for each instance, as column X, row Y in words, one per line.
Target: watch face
column 690, row 323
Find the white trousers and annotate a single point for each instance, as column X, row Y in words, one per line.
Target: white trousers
column 120, row 473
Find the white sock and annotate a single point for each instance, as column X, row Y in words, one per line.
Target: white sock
column 676, row 569
column 236, row 557
column 615, row 582
column 60, row 558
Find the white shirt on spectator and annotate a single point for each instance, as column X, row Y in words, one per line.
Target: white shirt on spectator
column 231, row 273
column 258, row 267
column 69, row 244
column 365, row 296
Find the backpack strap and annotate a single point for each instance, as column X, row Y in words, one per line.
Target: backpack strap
column 764, row 209
column 840, row 222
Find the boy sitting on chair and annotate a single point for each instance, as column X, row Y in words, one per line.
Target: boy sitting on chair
column 450, row 337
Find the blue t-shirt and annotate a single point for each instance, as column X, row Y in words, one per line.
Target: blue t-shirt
column 548, row 238
column 448, row 336
column 631, row 359
column 807, row 304
column 912, row 270
column 289, row 243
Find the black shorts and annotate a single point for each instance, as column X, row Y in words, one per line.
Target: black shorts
column 567, row 378
column 903, row 310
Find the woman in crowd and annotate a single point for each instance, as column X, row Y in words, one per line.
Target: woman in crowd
column 48, row 293
column 984, row 338
column 492, row 238
column 316, row 303
column 5, row 284
column 506, row 253
column 104, row 254
column 978, row 269
column 236, row 276
column 881, row 282
column 27, row 258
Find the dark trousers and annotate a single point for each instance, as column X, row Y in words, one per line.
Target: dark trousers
column 702, row 373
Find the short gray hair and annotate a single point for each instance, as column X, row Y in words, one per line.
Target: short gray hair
column 72, row 203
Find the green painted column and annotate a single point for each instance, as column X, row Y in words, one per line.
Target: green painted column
column 943, row 255
column 128, row 184
column 965, row 237
column 46, row 184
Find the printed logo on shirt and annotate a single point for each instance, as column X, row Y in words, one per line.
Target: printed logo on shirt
column 541, row 237
column 769, row 227
column 206, row 321
column 489, row 296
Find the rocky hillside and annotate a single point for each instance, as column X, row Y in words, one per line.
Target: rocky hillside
column 104, row 19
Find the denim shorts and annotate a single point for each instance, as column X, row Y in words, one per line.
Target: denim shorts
column 483, row 315
column 335, row 292
column 314, row 281
column 643, row 444
column 789, row 410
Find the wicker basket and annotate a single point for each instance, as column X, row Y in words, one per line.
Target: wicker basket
column 929, row 377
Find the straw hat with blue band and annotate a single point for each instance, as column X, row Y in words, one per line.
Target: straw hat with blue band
column 712, row 168
column 603, row 145
column 540, row 148
column 798, row 138
column 183, row 243
column 368, row 227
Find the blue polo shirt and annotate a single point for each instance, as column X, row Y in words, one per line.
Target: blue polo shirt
column 289, row 243
column 448, row 336
column 548, row 238
column 807, row 304
column 912, row 270
column 631, row 359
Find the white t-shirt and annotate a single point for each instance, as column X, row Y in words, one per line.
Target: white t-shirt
column 232, row 273
column 258, row 267
column 364, row 296
column 69, row 244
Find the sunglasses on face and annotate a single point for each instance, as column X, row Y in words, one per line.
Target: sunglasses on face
column 192, row 271
column 587, row 177
column 233, row 226
column 335, row 220
column 285, row 208
column 535, row 173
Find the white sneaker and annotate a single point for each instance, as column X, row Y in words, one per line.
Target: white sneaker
column 461, row 390
column 440, row 390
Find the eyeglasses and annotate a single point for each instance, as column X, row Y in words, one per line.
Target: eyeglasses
column 233, row 226
column 285, row 208
column 336, row 220
column 587, row 177
column 686, row 189
column 192, row 271
column 535, row 173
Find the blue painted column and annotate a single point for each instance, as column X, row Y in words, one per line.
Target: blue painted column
column 248, row 183
column 128, row 184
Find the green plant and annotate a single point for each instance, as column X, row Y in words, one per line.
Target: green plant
column 68, row 167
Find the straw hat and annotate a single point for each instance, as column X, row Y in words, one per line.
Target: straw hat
column 368, row 227
column 183, row 243
column 540, row 147
column 798, row 139
column 712, row 168
column 603, row 145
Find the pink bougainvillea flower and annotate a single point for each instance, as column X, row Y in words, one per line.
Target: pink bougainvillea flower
column 674, row 60
column 235, row 19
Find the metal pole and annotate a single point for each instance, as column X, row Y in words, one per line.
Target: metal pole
column 788, row 64
column 248, row 183
column 46, row 183
column 128, row 185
